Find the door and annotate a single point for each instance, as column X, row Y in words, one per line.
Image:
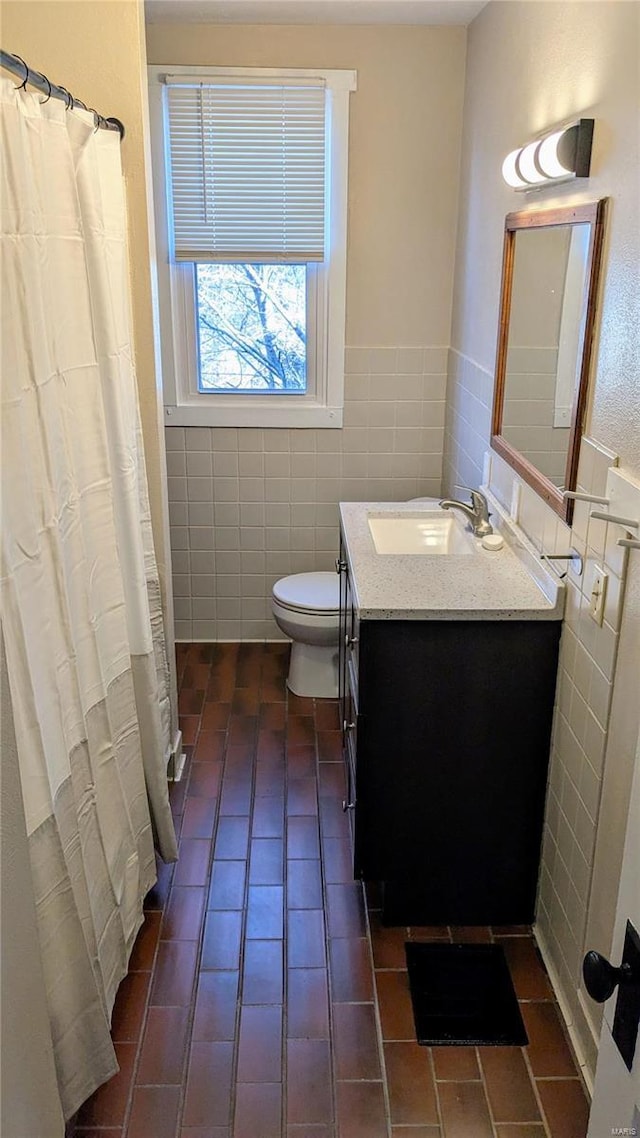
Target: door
column 616, row 1100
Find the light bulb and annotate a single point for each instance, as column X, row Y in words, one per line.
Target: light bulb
column 548, row 156
column 527, row 167
column 510, row 171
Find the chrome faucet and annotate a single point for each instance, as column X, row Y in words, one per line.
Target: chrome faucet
column 477, row 512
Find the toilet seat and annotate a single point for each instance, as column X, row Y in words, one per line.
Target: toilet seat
column 311, row 593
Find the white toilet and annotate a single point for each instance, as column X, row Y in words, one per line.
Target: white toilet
column 306, row 606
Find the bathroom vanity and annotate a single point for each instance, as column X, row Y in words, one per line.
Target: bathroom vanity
column 447, row 679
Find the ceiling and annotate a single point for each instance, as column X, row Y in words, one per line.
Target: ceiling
column 313, row 11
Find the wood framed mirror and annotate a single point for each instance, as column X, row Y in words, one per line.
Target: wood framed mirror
column 550, row 274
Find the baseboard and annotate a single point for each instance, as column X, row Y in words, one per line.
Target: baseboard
column 235, row 640
column 573, row 1031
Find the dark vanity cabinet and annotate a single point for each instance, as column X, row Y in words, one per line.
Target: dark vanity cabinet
column 446, row 735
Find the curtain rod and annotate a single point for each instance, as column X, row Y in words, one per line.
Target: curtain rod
column 18, row 67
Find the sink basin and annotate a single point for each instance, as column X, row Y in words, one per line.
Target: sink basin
column 436, row 533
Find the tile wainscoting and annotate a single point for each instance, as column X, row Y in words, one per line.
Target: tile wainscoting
column 248, row 506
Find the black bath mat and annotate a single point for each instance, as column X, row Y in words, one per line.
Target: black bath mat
column 462, row 994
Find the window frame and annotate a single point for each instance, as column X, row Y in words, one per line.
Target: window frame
column 322, row 404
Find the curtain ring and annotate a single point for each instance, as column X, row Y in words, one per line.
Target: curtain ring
column 68, row 96
column 49, row 86
column 96, row 118
column 23, row 85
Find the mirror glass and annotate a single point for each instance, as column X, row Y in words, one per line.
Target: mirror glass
column 547, row 312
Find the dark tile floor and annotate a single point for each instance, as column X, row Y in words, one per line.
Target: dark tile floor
column 263, row 999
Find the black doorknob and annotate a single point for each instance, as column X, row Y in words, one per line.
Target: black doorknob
column 601, row 978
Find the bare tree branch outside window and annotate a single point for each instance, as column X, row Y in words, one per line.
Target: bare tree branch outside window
column 252, row 327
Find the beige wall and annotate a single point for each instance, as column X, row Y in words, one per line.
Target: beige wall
column 96, row 49
column 250, row 506
column 404, row 150
column 530, row 66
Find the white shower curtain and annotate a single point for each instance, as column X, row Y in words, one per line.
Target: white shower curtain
column 80, row 595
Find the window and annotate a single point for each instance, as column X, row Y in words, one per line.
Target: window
column 250, row 183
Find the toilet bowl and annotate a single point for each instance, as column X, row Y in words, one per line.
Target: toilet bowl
column 306, row 607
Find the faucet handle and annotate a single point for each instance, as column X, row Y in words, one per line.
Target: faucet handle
column 476, row 495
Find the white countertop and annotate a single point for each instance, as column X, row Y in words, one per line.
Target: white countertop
column 511, row 584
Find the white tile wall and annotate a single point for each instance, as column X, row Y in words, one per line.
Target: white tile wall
column 248, row 506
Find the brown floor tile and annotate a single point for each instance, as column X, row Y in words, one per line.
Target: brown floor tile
column 412, row 1095
column 355, row 1042
column 334, row 822
column 199, row 817
column 416, row 1132
column 190, row 701
column 305, row 943
column 258, row 1111
column 270, row 748
column 396, row 1012
column 304, row 884
column 471, row 934
column 221, row 945
column 108, row 1105
column 302, row 797
column 548, row 1051
column 308, row 1004
column 300, row 729
column 327, row 715
column 331, row 781
column 205, row 1132
column 163, row 1046
column 266, row 865
column 345, row 906
column 532, row 1130
column 350, row 969
column 527, row 971
column 301, row 762
column 508, row 1085
column 455, row 1064
column 262, row 981
column 338, row 861
column 210, row 747
column 330, row 746
column 227, row 885
column 268, row 818
column 204, row 780
column 174, row 973
column 265, row 912
column 235, row 796
column 272, row 716
column 154, row 1110
column 216, row 1007
column 260, row 1045
column 387, row 944
column 208, row 1097
column 246, row 701
column 565, row 1107
column 144, row 949
column 309, row 1095
column 184, row 913
column 215, row 716
column 361, row 1112
column 271, row 745
column 129, row 1008
column 303, row 839
column 464, row 1110
column 232, row 838
column 270, row 781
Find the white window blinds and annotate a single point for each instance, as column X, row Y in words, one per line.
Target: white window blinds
column 247, row 170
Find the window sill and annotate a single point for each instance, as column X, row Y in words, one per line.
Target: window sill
column 236, row 415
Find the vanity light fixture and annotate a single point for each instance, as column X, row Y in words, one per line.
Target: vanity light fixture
column 559, row 156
